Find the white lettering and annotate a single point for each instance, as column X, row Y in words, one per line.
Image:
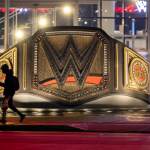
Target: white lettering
column 141, row 5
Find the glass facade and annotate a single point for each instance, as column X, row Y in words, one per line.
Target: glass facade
column 124, row 20
column 131, row 20
column 88, row 15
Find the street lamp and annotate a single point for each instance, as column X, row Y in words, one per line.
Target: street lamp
column 67, row 10
column 42, row 22
column 19, row 34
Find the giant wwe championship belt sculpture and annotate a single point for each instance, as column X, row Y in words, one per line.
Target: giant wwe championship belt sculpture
column 75, row 65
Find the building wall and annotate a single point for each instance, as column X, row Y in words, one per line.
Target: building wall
column 114, row 17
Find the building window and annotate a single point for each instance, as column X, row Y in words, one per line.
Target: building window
column 134, row 14
column 88, row 15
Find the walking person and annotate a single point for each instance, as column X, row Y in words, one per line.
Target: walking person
column 10, row 86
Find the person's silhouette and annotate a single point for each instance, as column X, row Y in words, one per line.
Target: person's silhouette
column 9, row 91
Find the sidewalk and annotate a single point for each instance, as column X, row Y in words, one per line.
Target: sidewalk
column 120, row 122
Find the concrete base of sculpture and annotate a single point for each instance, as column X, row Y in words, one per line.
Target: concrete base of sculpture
column 112, row 101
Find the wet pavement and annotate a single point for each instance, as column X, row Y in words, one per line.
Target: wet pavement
column 70, row 129
column 106, row 120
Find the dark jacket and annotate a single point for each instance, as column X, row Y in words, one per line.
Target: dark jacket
column 9, row 86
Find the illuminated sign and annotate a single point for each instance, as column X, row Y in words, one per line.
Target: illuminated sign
column 141, row 5
column 132, row 7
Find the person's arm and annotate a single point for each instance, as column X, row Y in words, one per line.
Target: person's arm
column 2, row 84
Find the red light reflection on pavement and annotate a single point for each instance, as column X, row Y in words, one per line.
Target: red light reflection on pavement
column 73, row 141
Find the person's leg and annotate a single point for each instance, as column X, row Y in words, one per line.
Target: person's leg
column 12, row 106
column 4, row 109
column 4, row 116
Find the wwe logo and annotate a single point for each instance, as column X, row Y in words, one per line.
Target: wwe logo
column 141, row 5
column 70, row 58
